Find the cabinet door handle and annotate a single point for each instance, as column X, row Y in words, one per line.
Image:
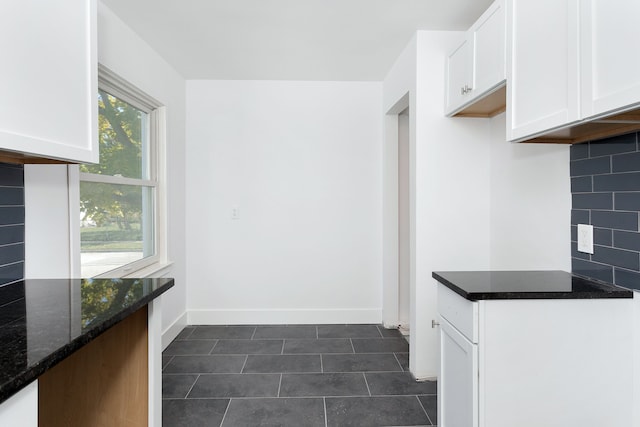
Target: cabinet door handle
column 462, row 91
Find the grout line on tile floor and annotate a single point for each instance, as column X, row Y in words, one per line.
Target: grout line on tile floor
column 321, row 364
column 282, row 350
column 225, row 412
column 398, row 360
column 353, row 349
column 324, row 404
column 191, row 388
column 317, row 335
column 425, row 411
column 214, row 346
column 367, row 383
column 279, row 385
column 254, row 332
column 244, row 364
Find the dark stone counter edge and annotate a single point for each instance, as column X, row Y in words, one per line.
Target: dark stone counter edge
column 605, row 291
column 10, row 388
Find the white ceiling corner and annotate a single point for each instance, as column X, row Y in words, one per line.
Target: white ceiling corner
column 350, row 40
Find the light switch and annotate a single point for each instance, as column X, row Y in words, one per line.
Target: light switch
column 585, row 238
column 235, row 212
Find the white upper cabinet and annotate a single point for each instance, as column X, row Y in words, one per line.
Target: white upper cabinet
column 573, row 71
column 610, row 60
column 459, row 76
column 48, row 79
column 543, row 73
column 476, row 68
column 489, row 43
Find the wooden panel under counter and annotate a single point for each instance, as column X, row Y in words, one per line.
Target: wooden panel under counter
column 104, row 384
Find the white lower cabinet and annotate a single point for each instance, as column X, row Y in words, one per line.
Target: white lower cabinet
column 459, row 367
column 22, row 408
column 551, row 362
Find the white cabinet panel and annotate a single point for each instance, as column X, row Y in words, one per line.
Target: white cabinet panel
column 543, row 76
column 477, row 66
column 458, row 384
column 610, row 62
column 48, row 78
column 459, row 76
column 489, row 44
column 22, row 408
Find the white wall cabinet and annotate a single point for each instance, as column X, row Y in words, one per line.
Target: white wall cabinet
column 610, row 63
column 543, row 73
column 505, row 362
column 477, row 66
column 570, row 62
column 459, row 77
column 48, row 79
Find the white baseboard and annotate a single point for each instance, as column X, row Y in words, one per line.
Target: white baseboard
column 284, row 317
column 173, row 330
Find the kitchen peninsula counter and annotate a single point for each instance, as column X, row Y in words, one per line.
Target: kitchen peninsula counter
column 69, row 333
column 503, row 285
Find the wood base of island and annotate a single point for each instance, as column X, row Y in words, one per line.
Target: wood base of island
column 103, row 384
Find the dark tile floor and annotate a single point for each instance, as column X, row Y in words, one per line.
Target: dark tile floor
column 297, row 375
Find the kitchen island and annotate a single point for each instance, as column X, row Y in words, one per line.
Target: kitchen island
column 530, row 348
column 81, row 352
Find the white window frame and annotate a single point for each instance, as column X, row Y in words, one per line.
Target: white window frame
column 123, row 90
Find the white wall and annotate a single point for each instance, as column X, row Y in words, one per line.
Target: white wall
column 449, row 187
column 530, row 204
column 46, row 187
column 479, row 202
column 302, row 163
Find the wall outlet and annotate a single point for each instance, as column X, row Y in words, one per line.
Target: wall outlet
column 585, row 238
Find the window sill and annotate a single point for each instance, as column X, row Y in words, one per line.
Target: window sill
column 154, row 270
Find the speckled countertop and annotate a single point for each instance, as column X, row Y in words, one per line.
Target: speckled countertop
column 495, row 285
column 43, row 321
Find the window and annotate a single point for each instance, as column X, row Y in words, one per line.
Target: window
column 119, row 195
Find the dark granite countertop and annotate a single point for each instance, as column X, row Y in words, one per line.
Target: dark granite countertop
column 43, row 321
column 501, row 285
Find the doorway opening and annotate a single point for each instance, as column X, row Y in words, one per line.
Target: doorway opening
column 404, row 260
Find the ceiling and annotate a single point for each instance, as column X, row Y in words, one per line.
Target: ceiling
column 288, row 39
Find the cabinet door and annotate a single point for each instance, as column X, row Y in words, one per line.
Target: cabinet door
column 610, row 62
column 489, row 44
column 458, row 382
column 48, row 78
column 21, row 409
column 543, row 75
column 459, row 75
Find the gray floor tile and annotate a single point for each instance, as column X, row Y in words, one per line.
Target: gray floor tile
column 275, row 412
column 380, row 345
column 389, row 333
column 397, row 383
column 348, row 331
column 193, row 412
column 359, row 362
column 248, row 347
column 328, row 345
column 177, row 386
column 375, row 411
column 430, row 404
column 166, row 360
column 205, row 364
column 283, row 332
column 184, row 334
column 403, row 358
column 342, row 384
column 189, row 347
column 236, row 385
column 222, row 332
column 257, row 363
